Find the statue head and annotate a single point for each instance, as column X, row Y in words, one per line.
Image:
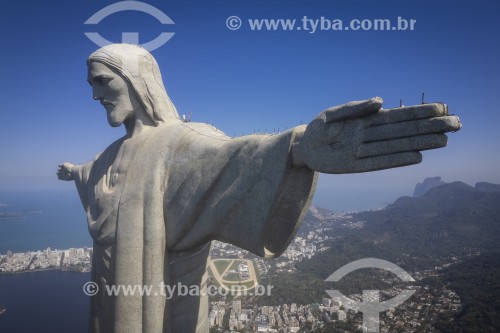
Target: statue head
column 139, row 70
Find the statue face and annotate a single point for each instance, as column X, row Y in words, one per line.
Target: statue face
column 114, row 93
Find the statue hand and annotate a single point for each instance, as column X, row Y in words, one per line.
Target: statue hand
column 64, row 172
column 360, row 136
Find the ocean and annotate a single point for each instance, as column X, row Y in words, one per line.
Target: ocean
column 44, row 302
column 47, row 301
column 37, row 220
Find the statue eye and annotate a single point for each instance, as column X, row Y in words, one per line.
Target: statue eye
column 104, row 80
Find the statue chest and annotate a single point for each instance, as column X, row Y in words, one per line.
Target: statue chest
column 116, row 171
column 109, row 178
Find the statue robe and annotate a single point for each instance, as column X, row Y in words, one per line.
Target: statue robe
column 155, row 201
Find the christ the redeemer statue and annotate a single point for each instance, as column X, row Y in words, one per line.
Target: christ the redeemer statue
column 156, row 197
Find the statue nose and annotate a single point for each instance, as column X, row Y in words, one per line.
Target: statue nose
column 97, row 93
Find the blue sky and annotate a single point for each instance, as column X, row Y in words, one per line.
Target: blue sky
column 247, row 80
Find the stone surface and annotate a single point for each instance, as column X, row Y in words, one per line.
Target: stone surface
column 156, row 197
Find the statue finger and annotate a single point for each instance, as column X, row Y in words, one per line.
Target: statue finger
column 411, row 144
column 409, row 113
column 356, row 109
column 411, row 128
column 387, row 161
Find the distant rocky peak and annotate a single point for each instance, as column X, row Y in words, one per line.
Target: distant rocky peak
column 428, row 183
column 487, row 187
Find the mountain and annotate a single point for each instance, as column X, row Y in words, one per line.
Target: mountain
column 447, row 239
column 453, row 219
column 487, row 187
column 476, row 281
column 430, row 182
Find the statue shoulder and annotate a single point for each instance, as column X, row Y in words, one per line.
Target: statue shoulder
column 180, row 129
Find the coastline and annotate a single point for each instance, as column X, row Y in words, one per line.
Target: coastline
column 72, row 259
column 64, row 269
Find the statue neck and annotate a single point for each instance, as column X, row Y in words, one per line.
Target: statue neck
column 138, row 125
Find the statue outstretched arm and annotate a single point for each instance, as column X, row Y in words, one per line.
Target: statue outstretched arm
column 361, row 136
